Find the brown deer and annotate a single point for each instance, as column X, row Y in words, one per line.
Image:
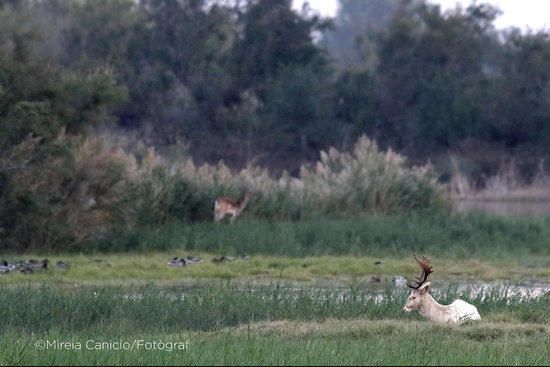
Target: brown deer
column 228, row 206
column 419, row 299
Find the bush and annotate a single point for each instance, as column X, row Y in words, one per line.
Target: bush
column 367, row 180
column 88, row 187
column 66, row 199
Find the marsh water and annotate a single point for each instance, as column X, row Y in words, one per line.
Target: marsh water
column 366, row 290
column 509, row 208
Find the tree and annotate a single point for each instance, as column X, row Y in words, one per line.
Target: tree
column 432, row 76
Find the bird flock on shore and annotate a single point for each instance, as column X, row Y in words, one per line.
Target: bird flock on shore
column 29, row 266
column 190, row 260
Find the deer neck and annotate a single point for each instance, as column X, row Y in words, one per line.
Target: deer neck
column 432, row 310
column 243, row 203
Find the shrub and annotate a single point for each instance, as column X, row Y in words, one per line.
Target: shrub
column 66, row 199
column 88, row 187
column 367, row 180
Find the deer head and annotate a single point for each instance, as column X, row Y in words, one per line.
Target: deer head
column 420, row 288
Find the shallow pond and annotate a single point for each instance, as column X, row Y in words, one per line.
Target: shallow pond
column 536, row 208
column 366, row 290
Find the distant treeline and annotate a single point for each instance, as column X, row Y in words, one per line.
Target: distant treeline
column 254, row 81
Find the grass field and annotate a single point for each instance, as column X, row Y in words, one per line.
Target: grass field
column 140, row 268
column 239, row 323
column 282, row 307
column 434, row 233
column 355, row 342
column 469, row 246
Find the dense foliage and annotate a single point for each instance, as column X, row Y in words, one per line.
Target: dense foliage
column 256, row 84
column 91, row 188
column 254, row 81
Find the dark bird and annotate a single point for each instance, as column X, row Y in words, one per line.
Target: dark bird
column 5, row 267
column 378, row 263
column 27, row 270
column 222, row 259
column 34, row 264
column 63, row 266
column 376, row 279
column 193, row 259
column 176, row 261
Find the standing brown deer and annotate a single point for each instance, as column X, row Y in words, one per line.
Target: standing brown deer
column 228, row 206
column 419, row 299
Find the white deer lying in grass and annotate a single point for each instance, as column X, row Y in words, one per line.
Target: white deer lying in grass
column 419, row 299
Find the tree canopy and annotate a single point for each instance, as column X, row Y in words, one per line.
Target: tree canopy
column 255, row 81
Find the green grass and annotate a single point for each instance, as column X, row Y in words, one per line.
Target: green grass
column 329, row 342
column 208, row 306
column 140, row 268
column 303, row 298
column 437, row 234
column 239, row 323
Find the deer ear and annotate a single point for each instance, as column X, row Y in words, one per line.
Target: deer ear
column 424, row 288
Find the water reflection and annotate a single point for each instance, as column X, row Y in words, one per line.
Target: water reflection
column 509, row 208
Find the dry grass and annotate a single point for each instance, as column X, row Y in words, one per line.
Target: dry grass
column 525, row 193
column 505, row 185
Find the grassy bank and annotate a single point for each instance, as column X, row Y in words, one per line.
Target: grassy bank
column 211, row 306
column 142, row 268
column 335, row 342
column 434, row 233
column 234, row 323
column 470, row 246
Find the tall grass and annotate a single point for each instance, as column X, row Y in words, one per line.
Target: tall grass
column 466, row 236
column 239, row 323
column 508, row 183
column 227, row 303
column 89, row 186
column 330, row 342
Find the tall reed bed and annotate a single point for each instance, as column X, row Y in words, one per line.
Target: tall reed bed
column 89, row 186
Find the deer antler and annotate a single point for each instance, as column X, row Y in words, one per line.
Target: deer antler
column 426, row 270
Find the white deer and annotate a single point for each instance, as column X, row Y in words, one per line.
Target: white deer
column 224, row 206
column 419, row 299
